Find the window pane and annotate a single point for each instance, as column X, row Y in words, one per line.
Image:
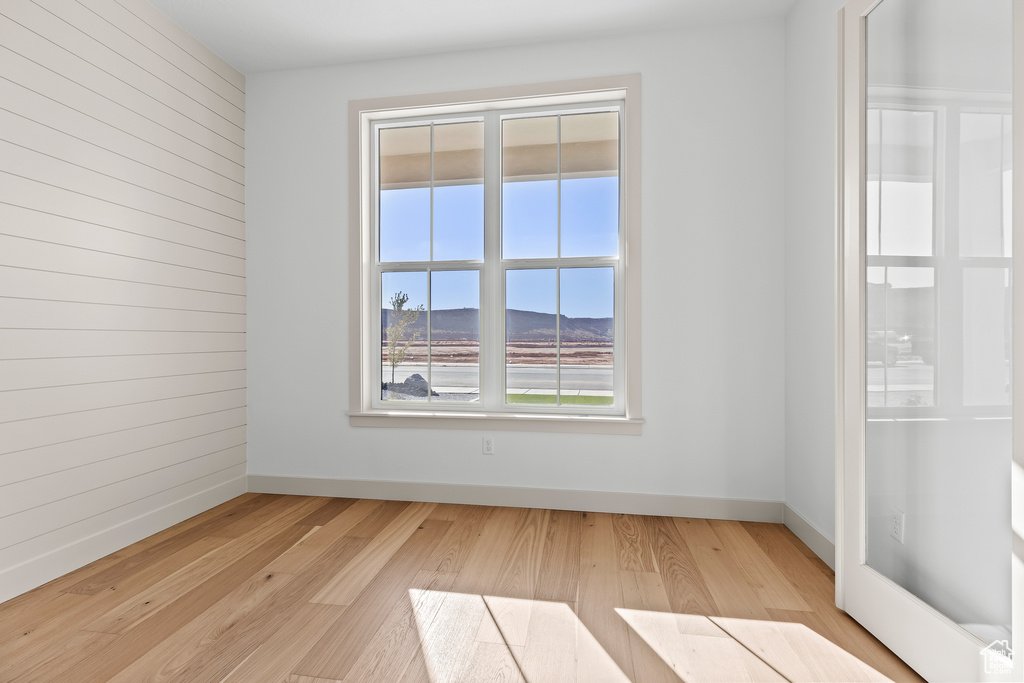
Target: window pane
column 404, row 208
column 906, row 162
column 901, row 345
column 590, row 216
column 459, row 191
column 986, row 336
column 1008, row 186
column 587, row 304
column 873, row 184
column 590, row 184
column 529, row 188
column 403, row 336
column 530, row 336
column 455, row 335
column 982, row 174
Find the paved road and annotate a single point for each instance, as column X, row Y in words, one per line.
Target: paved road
column 520, row 377
column 904, row 375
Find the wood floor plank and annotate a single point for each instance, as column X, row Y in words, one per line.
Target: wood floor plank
column 138, row 605
column 479, row 573
column 383, row 513
column 771, row 586
column 99, row 664
column 337, row 651
column 557, row 645
column 450, row 512
column 42, row 665
column 130, row 613
column 636, row 553
column 520, row 567
column 697, row 650
column 312, row 545
column 346, row 586
column 277, row 656
column 559, row 577
column 417, row 670
column 170, row 660
column 600, row 592
column 797, row 652
column 27, row 618
column 726, row 583
column 645, row 591
column 131, row 564
column 451, row 644
column 467, row 523
column 686, row 589
column 56, row 633
column 217, row 641
column 396, row 644
column 323, row 515
column 275, row 508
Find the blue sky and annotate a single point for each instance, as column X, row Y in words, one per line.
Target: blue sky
column 589, row 223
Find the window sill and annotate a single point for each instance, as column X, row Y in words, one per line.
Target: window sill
column 571, row 424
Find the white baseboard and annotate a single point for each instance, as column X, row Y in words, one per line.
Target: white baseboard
column 44, row 568
column 509, row 496
column 811, row 536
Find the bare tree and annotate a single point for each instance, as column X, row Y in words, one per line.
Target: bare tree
column 399, row 320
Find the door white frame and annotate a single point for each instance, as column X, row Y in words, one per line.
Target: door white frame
column 933, row 645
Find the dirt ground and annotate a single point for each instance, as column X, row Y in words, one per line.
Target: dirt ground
column 521, row 353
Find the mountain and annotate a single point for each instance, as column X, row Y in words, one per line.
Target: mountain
column 523, row 326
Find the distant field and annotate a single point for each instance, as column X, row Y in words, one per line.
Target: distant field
column 518, row 353
column 566, row 400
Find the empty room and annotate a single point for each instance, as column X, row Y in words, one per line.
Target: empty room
column 469, row 340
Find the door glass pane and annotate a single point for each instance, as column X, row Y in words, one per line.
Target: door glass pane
column 587, row 297
column 986, row 332
column 906, row 162
column 529, row 187
column 531, row 336
column 937, row 318
column 901, row 337
column 873, row 182
column 404, row 211
column 403, row 336
column 983, row 224
column 455, row 335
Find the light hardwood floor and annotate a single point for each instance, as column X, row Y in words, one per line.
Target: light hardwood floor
column 313, row 590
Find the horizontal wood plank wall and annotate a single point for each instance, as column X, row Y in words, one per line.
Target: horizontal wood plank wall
column 122, row 282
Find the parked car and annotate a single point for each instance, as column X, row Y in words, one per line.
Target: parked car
column 888, row 347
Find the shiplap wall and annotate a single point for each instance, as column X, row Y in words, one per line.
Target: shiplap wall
column 122, row 281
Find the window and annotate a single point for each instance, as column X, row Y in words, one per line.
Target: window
column 496, row 259
column 938, row 258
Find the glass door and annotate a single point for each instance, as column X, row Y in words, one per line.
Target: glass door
column 926, row 322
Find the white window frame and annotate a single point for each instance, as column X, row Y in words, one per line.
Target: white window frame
column 367, row 409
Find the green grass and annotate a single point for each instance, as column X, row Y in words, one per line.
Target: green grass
column 546, row 399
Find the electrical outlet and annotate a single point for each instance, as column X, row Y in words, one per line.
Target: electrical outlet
column 897, row 524
column 488, row 448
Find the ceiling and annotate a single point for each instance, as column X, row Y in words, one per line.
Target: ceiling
column 270, row 35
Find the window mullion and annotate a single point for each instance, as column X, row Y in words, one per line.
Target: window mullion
column 492, row 305
column 558, row 272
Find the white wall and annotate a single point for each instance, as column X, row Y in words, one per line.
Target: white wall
column 122, row 282
column 713, row 281
column 810, row 261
